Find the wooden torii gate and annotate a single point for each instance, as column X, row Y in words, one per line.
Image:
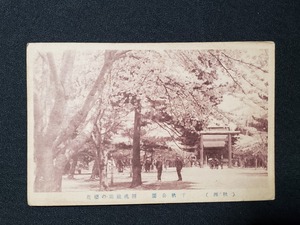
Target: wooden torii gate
column 225, row 132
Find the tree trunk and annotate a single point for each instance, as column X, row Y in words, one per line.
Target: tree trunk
column 60, row 163
column 48, row 176
column 100, row 169
column 57, row 113
column 80, row 116
column 95, row 170
column 136, row 161
column 99, row 154
column 102, row 182
column 73, row 166
column 44, row 170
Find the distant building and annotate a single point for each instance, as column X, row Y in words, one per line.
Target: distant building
column 215, row 145
column 215, row 142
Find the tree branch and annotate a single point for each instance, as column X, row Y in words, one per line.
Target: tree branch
column 98, row 86
column 249, row 64
column 221, row 64
column 173, row 139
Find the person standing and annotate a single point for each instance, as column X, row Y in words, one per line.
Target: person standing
column 221, row 162
column 120, row 165
column 147, row 165
column 179, row 165
column 159, row 166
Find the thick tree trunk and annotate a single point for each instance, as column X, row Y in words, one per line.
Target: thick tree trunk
column 57, row 112
column 60, row 163
column 99, row 154
column 44, row 170
column 73, row 166
column 48, row 175
column 100, row 170
column 100, row 165
column 136, row 160
column 102, row 175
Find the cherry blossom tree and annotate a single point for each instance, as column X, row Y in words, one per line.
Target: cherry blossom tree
column 57, row 136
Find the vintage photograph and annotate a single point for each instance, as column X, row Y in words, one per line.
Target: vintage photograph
column 150, row 123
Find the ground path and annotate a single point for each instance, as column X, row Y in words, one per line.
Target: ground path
column 193, row 178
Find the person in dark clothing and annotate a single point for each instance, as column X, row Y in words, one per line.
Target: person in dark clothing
column 159, row 166
column 147, row 165
column 120, row 165
column 179, row 165
column 221, row 162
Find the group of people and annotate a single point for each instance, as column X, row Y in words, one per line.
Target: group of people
column 214, row 163
column 178, row 165
column 158, row 163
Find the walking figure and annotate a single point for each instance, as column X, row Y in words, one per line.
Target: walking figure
column 147, row 165
column 159, row 166
column 179, row 165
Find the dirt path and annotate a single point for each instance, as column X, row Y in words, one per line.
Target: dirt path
column 193, row 178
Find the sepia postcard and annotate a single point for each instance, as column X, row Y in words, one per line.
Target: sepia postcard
column 150, row 123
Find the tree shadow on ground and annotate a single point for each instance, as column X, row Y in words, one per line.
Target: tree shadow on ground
column 164, row 185
column 169, row 185
column 93, row 185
